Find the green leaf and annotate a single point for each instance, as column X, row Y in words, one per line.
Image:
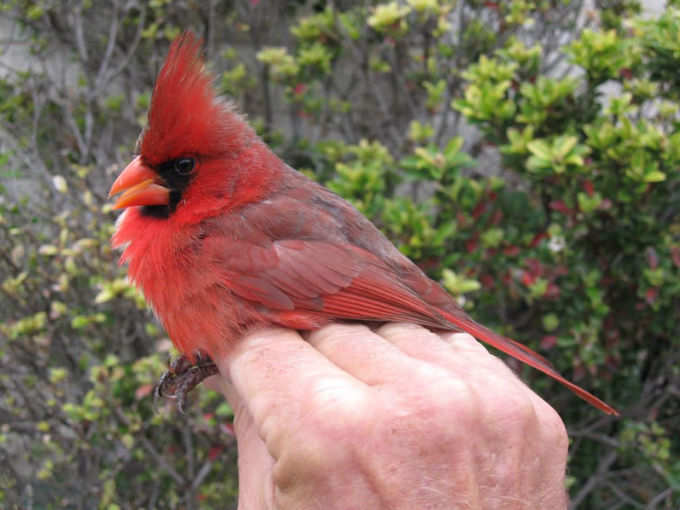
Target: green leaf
column 655, row 176
column 540, row 149
column 550, row 322
column 459, row 284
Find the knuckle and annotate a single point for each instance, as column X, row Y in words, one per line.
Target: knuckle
column 336, row 334
column 331, row 404
column 464, row 342
column 400, row 330
column 512, row 405
column 553, row 428
column 331, row 417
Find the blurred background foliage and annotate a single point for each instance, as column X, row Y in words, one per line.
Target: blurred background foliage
column 524, row 153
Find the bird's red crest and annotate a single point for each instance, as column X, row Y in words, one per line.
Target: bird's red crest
column 186, row 116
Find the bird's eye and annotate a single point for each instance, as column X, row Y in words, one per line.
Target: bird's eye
column 184, row 166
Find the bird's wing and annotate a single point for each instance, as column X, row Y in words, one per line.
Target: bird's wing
column 343, row 282
column 347, row 282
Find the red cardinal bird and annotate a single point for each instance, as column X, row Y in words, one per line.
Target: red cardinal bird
column 223, row 237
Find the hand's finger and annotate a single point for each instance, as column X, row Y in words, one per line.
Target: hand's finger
column 463, row 356
column 464, row 342
column 363, row 353
column 280, row 377
column 456, row 352
column 452, row 351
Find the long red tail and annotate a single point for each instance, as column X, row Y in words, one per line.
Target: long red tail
column 526, row 355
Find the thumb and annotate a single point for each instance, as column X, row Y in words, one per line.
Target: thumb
column 254, row 461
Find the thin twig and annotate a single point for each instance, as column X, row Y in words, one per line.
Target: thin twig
column 152, row 450
column 595, row 479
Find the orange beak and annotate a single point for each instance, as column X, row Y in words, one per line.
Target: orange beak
column 139, row 185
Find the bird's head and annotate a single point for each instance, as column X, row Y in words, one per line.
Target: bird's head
column 188, row 155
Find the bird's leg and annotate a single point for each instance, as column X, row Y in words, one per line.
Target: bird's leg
column 183, row 376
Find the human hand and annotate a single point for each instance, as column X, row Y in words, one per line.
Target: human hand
column 398, row 418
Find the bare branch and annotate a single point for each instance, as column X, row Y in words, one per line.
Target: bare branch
column 102, row 78
column 80, row 38
column 595, row 480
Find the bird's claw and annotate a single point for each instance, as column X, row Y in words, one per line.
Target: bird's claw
column 182, row 376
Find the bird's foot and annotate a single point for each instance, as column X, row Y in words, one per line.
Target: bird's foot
column 182, row 376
